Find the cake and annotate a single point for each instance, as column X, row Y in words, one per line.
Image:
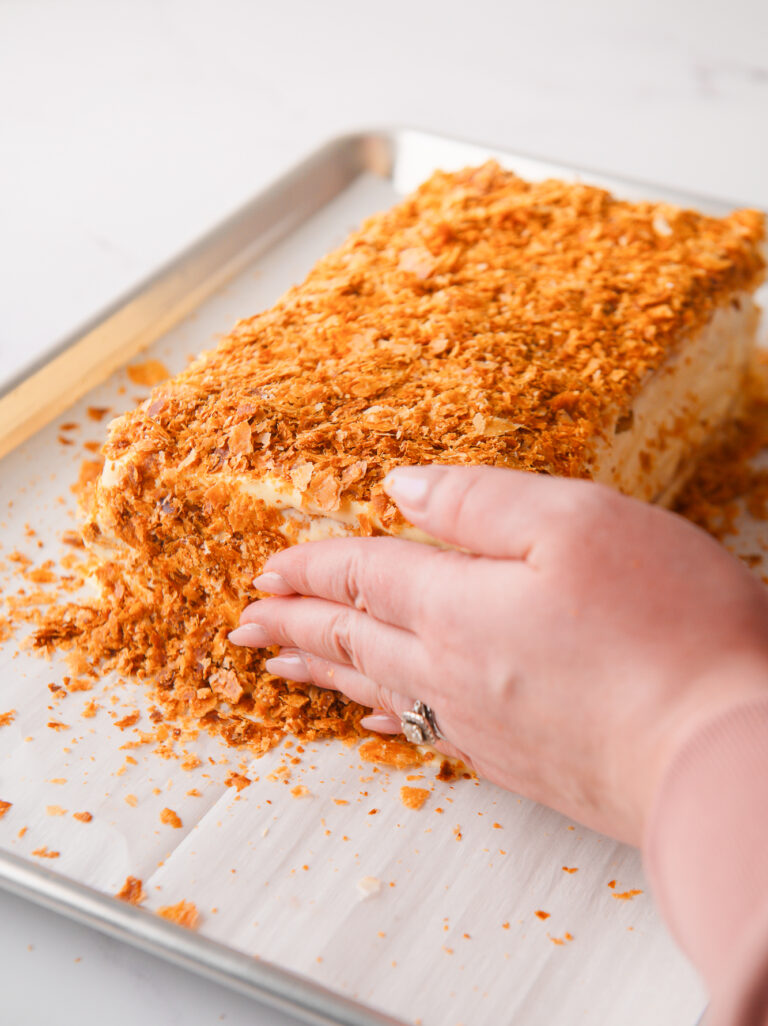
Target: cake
column 484, row 319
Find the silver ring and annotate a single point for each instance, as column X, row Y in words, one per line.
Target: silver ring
column 419, row 725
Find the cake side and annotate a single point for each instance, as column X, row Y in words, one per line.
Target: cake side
column 653, row 448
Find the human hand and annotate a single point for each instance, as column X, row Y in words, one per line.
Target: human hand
column 566, row 652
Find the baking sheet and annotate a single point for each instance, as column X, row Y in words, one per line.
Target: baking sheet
column 450, row 934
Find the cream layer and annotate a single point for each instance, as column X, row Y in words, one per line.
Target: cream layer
column 681, row 404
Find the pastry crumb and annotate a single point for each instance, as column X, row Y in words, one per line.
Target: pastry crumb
column 170, row 818
column 398, row 754
column 413, row 797
column 183, row 912
column 151, row 372
column 128, row 721
column 238, row 780
column 627, row 895
column 132, row 891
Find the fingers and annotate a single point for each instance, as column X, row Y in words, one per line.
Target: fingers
column 306, row 668
column 382, row 723
column 488, row 510
column 390, row 578
column 341, row 635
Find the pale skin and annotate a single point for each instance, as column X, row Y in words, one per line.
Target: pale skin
column 568, row 642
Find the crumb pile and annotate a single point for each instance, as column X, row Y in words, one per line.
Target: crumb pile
column 482, row 320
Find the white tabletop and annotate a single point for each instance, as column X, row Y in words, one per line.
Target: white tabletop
column 127, row 129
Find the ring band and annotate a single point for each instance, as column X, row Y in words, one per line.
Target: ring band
column 419, row 725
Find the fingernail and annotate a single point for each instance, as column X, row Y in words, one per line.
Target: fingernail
column 291, row 665
column 382, row 723
column 273, row 583
column 252, row 635
column 409, row 486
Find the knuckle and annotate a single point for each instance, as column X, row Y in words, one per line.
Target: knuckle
column 341, row 637
column 352, row 583
column 458, row 505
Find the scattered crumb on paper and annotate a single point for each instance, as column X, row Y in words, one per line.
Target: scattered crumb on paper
column 97, row 413
column 171, row 818
column 132, row 891
column 183, row 912
column 238, row 780
column 413, row 797
column 45, row 853
column 151, row 372
column 399, row 754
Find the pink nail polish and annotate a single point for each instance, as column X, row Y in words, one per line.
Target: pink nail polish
column 273, row 584
column 409, row 486
column 252, row 635
column 291, row 666
column 382, row 723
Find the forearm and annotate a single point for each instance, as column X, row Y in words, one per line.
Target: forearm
column 706, row 849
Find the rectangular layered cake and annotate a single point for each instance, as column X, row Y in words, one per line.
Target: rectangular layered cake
column 543, row 326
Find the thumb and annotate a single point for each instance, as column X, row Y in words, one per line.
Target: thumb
column 490, row 511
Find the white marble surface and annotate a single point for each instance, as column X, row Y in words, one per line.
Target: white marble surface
column 127, row 128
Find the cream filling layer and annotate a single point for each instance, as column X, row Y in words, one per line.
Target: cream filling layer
column 680, row 406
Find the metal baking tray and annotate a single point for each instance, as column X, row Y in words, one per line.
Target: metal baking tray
column 45, row 388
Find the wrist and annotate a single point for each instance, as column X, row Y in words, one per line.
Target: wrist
column 727, row 685
column 705, row 836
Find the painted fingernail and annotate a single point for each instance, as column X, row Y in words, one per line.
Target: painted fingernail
column 382, row 723
column 273, row 584
column 252, row 635
column 291, row 665
column 409, row 486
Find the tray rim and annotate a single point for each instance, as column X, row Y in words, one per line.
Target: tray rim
column 271, row 984
column 372, row 150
